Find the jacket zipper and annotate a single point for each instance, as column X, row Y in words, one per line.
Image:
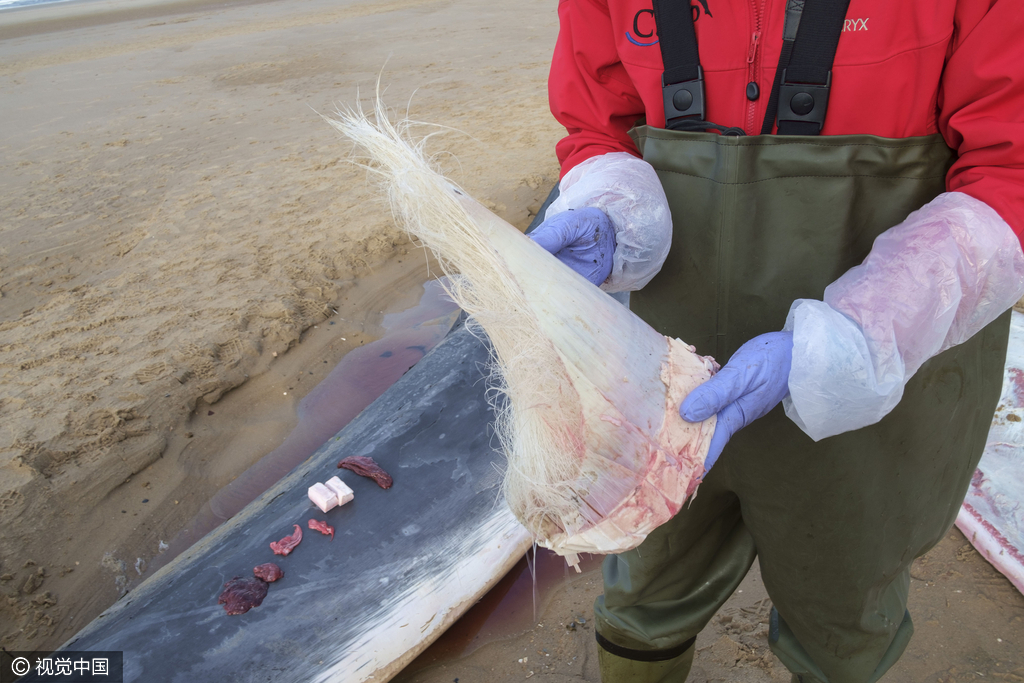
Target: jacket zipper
column 753, row 66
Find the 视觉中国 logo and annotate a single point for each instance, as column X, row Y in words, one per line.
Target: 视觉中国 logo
column 643, row 24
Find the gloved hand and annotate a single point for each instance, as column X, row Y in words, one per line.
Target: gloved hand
column 582, row 239
column 753, row 382
column 629, row 192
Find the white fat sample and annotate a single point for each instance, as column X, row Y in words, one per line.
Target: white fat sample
column 322, row 497
column 340, row 489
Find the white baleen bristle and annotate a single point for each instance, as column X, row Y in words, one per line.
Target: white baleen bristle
column 594, row 462
column 538, row 411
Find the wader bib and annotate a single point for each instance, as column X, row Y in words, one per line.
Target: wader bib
column 759, row 222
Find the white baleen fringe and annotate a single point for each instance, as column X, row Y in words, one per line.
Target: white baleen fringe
column 597, row 453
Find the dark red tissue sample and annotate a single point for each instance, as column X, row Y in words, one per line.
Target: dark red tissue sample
column 269, row 572
column 288, row 543
column 322, row 527
column 241, row 595
column 366, row 467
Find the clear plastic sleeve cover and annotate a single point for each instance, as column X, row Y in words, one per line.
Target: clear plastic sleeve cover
column 628, row 190
column 928, row 284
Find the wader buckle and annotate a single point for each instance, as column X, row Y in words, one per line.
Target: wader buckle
column 804, row 102
column 683, row 100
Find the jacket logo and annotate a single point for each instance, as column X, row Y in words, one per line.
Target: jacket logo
column 643, row 23
column 855, row 25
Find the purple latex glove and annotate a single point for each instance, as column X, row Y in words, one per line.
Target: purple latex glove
column 582, row 239
column 753, row 382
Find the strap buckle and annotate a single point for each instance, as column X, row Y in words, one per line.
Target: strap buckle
column 804, row 102
column 684, row 100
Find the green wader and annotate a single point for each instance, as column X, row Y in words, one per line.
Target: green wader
column 761, row 221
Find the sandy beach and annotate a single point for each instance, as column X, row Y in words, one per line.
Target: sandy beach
column 186, row 251
column 179, row 228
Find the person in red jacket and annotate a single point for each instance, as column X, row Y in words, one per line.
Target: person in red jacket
column 842, row 225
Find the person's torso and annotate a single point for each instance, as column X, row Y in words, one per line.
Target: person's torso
column 886, row 74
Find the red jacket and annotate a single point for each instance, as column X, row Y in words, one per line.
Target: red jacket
column 903, row 68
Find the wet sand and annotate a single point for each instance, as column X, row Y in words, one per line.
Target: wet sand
column 969, row 626
column 179, row 227
column 179, row 232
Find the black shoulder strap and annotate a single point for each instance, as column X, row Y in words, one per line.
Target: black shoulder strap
column 794, row 10
column 682, row 83
column 805, row 82
column 800, row 94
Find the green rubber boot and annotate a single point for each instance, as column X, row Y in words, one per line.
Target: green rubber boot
column 615, row 669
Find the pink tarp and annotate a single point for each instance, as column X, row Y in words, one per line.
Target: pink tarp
column 992, row 516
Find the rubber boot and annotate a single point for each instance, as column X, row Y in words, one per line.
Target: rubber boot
column 615, row 669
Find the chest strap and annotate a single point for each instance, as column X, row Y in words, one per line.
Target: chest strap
column 799, row 97
column 805, row 82
column 682, row 83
